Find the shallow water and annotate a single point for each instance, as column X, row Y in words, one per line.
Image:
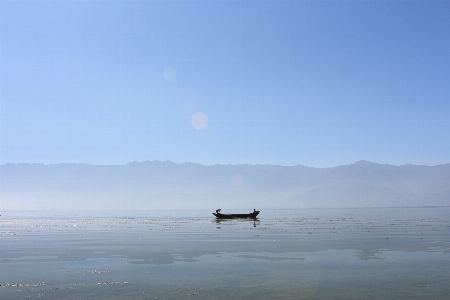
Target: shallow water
column 401, row 253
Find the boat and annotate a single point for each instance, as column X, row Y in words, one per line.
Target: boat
column 236, row 216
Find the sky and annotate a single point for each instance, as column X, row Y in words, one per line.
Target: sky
column 315, row 83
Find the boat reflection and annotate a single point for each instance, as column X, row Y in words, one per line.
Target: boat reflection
column 220, row 222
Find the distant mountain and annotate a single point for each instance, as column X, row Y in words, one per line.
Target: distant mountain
column 167, row 185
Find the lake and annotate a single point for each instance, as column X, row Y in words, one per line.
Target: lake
column 376, row 253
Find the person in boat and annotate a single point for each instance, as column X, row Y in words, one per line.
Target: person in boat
column 218, row 211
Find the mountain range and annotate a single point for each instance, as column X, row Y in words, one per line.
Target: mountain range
column 167, row 185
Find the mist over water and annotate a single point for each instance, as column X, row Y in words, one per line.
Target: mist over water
column 395, row 253
column 166, row 185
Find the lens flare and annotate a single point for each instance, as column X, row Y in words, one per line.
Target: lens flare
column 170, row 73
column 237, row 180
column 199, row 120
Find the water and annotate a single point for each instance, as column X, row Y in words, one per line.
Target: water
column 401, row 253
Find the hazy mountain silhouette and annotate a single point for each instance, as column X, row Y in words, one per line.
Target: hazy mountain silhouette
column 167, row 185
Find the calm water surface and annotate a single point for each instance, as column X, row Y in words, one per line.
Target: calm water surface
column 397, row 253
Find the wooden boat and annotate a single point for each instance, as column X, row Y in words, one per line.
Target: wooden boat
column 236, row 216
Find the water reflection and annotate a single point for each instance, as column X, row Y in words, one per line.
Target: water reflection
column 166, row 240
column 354, row 254
column 220, row 222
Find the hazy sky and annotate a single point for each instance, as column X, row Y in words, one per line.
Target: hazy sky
column 317, row 83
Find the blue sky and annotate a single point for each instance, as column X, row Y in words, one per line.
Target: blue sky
column 317, row 83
